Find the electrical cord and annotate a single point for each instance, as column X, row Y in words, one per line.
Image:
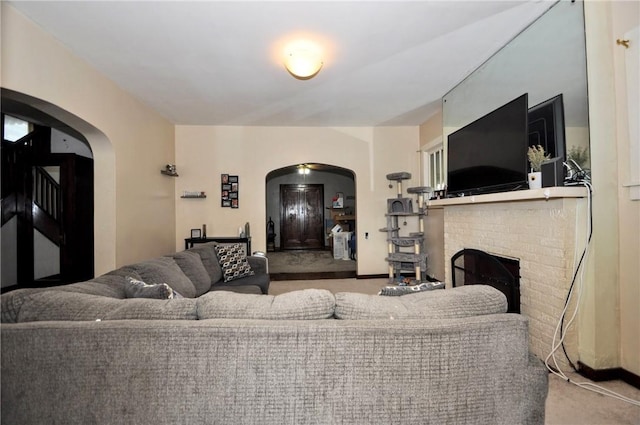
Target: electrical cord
column 559, row 334
column 575, row 274
column 560, row 327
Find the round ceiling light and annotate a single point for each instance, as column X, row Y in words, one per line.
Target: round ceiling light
column 303, row 59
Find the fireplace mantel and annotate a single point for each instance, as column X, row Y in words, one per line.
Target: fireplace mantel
column 545, row 193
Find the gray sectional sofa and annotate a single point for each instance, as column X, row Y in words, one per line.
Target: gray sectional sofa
column 73, row 356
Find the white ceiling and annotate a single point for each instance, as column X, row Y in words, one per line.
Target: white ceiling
column 219, row 63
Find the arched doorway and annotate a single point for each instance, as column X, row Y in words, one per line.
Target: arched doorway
column 74, row 166
column 302, row 209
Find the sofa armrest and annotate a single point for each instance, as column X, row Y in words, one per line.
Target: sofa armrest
column 259, row 264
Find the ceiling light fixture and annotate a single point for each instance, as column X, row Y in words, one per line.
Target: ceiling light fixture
column 303, row 59
column 303, row 169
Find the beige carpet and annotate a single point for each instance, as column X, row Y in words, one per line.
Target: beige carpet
column 364, row 286
column 299, row 261
column 566, row 403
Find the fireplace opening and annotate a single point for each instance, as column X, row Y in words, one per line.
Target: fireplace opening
column 472, row 266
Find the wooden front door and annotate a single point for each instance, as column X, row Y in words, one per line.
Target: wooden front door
column 301, row 216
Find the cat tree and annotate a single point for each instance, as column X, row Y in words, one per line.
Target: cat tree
column 406, row 252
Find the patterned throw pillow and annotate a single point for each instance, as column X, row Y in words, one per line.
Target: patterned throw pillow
column 233, row 261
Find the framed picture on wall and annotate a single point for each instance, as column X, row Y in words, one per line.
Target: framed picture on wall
column 229, row 191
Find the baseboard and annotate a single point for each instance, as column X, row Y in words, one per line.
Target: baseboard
column 371, row 276
column 599, row 375
column 630, row 378
column 382, row 276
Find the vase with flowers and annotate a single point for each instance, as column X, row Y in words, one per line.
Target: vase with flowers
column 536, row 157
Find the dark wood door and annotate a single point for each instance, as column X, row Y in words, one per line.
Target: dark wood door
column 301, row 216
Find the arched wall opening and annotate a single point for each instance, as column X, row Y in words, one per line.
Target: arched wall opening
column 338, row 198
column 104, row 176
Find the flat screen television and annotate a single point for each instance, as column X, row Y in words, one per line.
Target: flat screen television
column 490, row 154
column 546, row 127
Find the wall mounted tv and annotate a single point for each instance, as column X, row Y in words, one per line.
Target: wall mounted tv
column 490, row 154
column 546, row 127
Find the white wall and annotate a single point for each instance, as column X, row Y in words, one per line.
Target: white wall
column 626, row 16
column 134, row 203
column 63, row 143
column 205, row 152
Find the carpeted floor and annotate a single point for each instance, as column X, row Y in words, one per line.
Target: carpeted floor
column 364, row 286
column 566, row 403
column 301, row 261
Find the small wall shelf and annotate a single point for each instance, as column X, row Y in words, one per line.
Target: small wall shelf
column 169, row 170
column 193, row 196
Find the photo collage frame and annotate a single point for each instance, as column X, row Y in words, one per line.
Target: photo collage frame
column 229, row 191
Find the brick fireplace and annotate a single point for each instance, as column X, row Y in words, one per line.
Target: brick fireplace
column 472, row 266
column 540, row 229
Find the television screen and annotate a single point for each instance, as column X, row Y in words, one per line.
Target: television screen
column 546, row 127
column 490, row 154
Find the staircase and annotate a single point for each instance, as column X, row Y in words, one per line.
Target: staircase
column 33, row 198
column 46, row 205
column 47, row 213
column 44, row 198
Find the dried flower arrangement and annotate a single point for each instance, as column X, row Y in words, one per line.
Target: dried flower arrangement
column 579, row 155
column 536, row 157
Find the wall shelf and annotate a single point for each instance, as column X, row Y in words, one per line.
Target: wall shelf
column 193, row 194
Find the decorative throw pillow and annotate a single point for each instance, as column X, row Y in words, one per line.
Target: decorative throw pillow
column 138, row 289
column 233, row 261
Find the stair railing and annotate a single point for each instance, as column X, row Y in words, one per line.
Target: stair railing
column 46, row 193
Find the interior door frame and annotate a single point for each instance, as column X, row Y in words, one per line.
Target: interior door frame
column 319, row 212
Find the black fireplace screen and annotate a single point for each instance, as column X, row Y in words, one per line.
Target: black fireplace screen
column 472, row 266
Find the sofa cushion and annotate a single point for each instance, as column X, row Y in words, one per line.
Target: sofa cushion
column 209, row 259
column 12, row 301
column 307, row 304
column 135, row 288
column 242, row 289
column 165, row 270
column 260, row 280
column 191, row 265
column 59, row 305
column 463, row 301
column 108, row 285
column 233, row 261
column 259, row 264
